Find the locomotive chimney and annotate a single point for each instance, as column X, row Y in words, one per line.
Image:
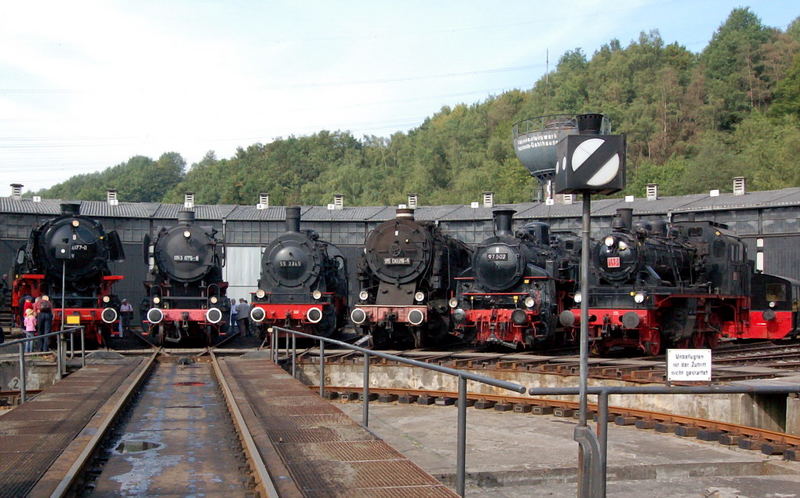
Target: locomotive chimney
column 70, row 209
column 16, row 191
column 185, row 216
column 590, row 124
column 502, row 222
column 293, row 219
column 625, row 215
column 404, row 213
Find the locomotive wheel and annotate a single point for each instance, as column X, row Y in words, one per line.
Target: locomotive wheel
column 599, row 348
column 653, row 346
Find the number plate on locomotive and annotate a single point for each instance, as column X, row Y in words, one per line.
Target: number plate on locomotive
column 397, row 261
column 613, row 262
column 290, row 263
column 497, row 256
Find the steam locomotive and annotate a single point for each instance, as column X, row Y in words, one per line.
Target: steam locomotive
column 516, row 288
column 303, row 282
column 684, row 284
column 406, row 276
column 66, row 259
column 185, row 293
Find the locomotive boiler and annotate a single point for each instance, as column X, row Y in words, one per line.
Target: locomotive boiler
column 186, row 295
column 683, row 284
column 406, row 276
column 66, row 259
column 515, row 289
column 303, row 282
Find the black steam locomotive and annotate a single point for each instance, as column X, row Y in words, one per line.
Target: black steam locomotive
column 684, row 284
column 303, row 282
column 517, row 286
column 407, row 275
column 186, row 296
column 66, row 258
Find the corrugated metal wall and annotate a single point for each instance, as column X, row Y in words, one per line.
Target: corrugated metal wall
column 242, row 270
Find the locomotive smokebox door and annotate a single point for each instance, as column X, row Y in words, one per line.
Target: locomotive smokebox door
column 63, row 250
column 590, row 162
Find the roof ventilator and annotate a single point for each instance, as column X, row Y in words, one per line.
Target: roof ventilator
column 652, row 191
column 488, row 199
column 16, row 191
column 739, row 185
column 412, row 201
column 713, row 193
column 188, row 200
column 111, row 197
column 263, row 201
column 338, row 201
column 568, row 198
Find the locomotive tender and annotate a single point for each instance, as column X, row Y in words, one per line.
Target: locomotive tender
column 186, row 296
column 516, row 287
column 407, row 275
column 683, row 284
column 75, row 250
column 303, row 282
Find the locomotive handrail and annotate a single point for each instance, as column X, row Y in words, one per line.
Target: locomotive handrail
column 603, row 392
column 59, row 354
column 462, row 384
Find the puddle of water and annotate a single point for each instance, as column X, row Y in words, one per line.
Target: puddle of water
column 190, row 383
column 132, row 446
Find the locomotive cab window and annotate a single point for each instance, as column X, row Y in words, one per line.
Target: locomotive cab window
column 776, row 292
column 718, row 249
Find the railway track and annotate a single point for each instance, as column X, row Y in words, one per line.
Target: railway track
column 182, row 406
column 745, row 437
column 731, row 362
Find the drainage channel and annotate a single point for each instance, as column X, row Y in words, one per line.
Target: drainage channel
column 175, row 438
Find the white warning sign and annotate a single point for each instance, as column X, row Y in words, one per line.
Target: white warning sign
column 693, row 365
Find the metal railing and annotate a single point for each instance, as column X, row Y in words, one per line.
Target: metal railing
column 60, row 351
column 596, row 465
column 463, row 377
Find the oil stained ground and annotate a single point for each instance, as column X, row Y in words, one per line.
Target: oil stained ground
column 177, row 440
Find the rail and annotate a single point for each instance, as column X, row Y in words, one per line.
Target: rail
column 463, row 377
column 598, row 466
column 60, row 351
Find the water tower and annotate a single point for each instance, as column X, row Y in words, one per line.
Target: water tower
column 535, row 142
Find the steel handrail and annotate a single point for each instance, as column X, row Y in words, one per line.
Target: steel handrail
column 603, row 392
column 59, row 354
column 462, row 376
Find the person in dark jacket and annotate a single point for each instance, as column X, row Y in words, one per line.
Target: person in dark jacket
column 243, row 317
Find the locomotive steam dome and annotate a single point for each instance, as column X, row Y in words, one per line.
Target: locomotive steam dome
column 83, row 237
column 185, row 252
column 399, row 250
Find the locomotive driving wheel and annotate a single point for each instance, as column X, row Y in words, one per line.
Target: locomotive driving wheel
column 652, row 346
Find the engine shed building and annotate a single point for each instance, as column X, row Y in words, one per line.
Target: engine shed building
column 768, row 221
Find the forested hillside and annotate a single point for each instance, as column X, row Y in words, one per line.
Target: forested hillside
column 693, row 121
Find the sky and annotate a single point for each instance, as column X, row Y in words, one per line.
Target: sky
column 85, row 85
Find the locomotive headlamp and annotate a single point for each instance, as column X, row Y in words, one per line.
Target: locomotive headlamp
column 772, row 304
column 156, row 300
column 363, row 295
column 609, row 241
column 187, row 233
column 316, row 294
column 519, row 317
column 419, row 296
column 622, row 245
column 577, row 297
column 638, row 298
column 213, row 299
column 529, row 302
column 76, row 223
column 453, row 302
column 260, row 293
column 106, row 299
